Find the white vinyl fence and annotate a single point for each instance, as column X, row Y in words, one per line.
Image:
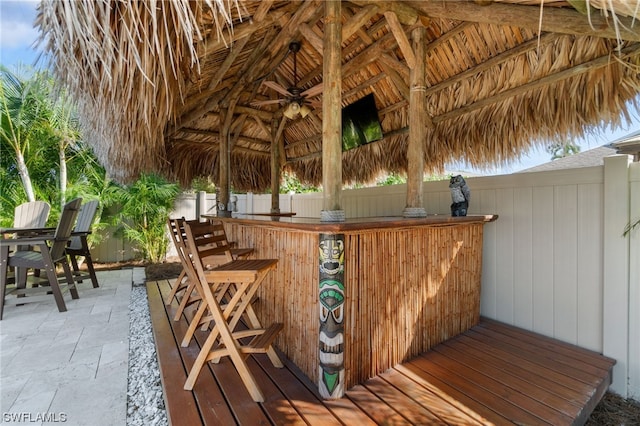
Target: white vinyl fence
column 555, row 262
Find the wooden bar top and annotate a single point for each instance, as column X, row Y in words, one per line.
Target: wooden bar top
column 315, row 225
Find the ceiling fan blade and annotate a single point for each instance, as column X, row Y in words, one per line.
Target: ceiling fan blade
column 275, row 86
column 269, row 102
column 313, row 91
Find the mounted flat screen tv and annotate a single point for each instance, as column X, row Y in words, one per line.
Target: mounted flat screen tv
column 360, row 123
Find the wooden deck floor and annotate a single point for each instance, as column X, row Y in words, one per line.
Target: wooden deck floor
column 492, row 374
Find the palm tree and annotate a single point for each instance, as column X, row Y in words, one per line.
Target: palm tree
column 21, row 113
column 65, row 128
column 144, row 207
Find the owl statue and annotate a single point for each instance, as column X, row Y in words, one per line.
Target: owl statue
column 460, row 195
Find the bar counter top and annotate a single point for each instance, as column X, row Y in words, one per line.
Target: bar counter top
column 316, row 225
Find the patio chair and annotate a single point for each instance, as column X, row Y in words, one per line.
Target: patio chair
column 33, row 214
column 44, row 250
column 78, row 245
column 246, row 275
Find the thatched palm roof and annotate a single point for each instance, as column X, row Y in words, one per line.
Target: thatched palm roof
column 156, row 80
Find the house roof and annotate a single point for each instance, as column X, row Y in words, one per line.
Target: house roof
column 590, row 158
column 157, row 81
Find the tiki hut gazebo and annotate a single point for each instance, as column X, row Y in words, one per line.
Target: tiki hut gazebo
column 214, row 88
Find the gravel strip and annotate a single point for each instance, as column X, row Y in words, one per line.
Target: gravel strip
column 145, row 403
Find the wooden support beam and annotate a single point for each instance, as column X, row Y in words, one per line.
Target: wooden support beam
column 554, row 19
column 224, row 185
column 314, row 39
column 261, row 125
column 407, row 13
column 397, row 79
column 419, row 120
column 318, row 154
column 242, row 149
column 355, row 22
column 240, row 31
column 275, row 166
column 263, row 115
column 496, row 60
column 216, row 135
column 332, row 116
column 401, row 38
column 600, row 62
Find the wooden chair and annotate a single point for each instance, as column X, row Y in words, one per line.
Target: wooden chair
column 33, row 214
column 186, row 283
column 245, row 276
column 193, row 292
column 44, row 249
column 78, row 245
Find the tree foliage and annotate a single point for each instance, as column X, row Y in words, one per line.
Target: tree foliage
column 144, row 207
column 562, row 149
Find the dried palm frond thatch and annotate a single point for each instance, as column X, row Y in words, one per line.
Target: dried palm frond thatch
column 161, row 84
column 126, row 63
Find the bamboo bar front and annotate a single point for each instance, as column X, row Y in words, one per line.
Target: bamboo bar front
column 409, row 285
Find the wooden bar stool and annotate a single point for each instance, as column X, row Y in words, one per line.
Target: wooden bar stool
column 186, row 283
column 243, row 277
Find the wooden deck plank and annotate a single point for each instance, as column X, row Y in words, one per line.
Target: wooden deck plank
column 343, row 409
column 450, row 413
column 584, row 380
column 410, row 409
column 572, row 366
column 509, row 391
column 305, row 402
column 225, row 378
column 380, row 411
column 180, row 405
column 515, row 382
column 491, row 374
column 486, row 345
column 539, row 340
column 537, row 378
column 469, row 406
column 498, row 401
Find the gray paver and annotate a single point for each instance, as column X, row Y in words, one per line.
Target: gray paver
column 69, row 365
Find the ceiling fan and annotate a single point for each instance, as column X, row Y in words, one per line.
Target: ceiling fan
column 295, row 98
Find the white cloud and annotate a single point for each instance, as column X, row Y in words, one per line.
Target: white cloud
column 16, row 23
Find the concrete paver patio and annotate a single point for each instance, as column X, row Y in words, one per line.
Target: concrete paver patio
column 69, row 367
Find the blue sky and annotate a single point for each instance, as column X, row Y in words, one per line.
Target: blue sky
column 17, row 35
column 17, row 38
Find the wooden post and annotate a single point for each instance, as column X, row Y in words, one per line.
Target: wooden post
column 224, row 188
column 275, row 166
column 418, row 122
column 615, row 300
column 332, row 114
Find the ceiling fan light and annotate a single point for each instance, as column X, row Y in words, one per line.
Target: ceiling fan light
column 289, row 112
column 292, row 110
column 304, row 111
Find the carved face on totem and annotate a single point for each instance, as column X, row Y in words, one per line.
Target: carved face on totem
column 331, row 256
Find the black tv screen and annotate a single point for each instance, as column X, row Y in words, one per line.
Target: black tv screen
column 360, row 123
